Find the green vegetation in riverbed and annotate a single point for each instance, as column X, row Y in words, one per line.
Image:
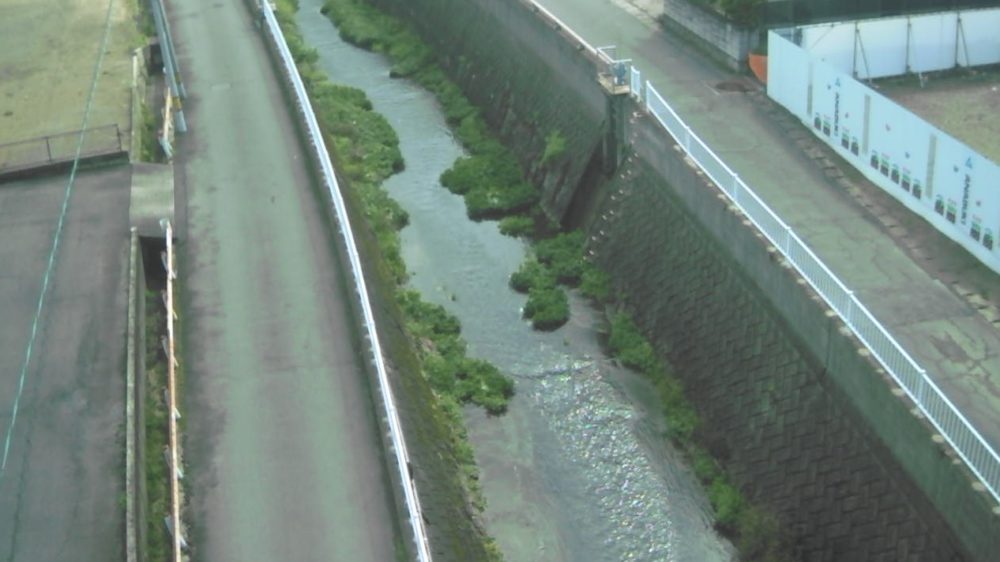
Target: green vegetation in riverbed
column 757, row 533
column 517, row 225
column 361, row 141
column 557, row 262
column 442, row 351
column 490, row 178
column 366, row 150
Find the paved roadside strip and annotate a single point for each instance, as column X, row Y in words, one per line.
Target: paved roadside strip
column 286, row 463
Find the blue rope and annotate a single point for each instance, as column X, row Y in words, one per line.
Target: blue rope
column 55, row 240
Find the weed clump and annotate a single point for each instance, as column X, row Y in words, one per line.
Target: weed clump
column 443, row 355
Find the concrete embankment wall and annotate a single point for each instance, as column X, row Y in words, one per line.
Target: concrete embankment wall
column 527, row 80
column 806, row 423
column 804, row 419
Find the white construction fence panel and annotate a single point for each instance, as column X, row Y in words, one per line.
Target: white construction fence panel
column 932, row 43
column 932, row 173
column 880, row 47
column 883, row 47
column 785, row 84
column 833, row 43
column 981, row 38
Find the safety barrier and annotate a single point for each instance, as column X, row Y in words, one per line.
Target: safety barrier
column 62, row 147
column 329, row 178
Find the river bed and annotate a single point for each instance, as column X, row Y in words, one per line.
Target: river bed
column 578, row 469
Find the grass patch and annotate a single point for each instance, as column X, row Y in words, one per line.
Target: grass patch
column 149, row 145
column 547, row 307
column 558, row 262
column 442, row 352
column 158, row 544
column 517, row 225
column 366, row 150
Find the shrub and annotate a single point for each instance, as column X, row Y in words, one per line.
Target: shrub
column 631, row 348
column 595, row 283
column 547, row 307
column 531, row 274
column 563, row 254
column 517, row 225
column 727, row 502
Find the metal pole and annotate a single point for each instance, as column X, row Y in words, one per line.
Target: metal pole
column 168, row 62
column 170, row 46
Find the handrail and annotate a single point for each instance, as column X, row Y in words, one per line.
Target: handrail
column 956, row 429
column 63, row 153
column 175, row 493
column 329, row 178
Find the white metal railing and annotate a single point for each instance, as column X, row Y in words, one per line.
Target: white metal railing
column 329, row 178
column 635, row 83
column 968, row 443
column 174, row 524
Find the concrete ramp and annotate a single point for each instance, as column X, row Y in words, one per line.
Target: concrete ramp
column 152, row 198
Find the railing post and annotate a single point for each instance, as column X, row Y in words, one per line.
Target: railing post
column 849, row 313
column 736, row 188
column 922, row 390
column 788, row 243
column 48, row 149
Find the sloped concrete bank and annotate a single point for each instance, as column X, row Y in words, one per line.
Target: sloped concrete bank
column 799, row 413
column 527, row 80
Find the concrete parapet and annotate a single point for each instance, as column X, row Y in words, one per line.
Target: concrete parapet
column 135, row 369
column 720, row 38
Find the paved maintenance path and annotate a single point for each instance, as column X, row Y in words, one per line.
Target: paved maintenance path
column 915, row 293
column 284, row 457
column 60, row 494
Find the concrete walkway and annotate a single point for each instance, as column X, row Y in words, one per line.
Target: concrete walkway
column 285, row 459
column 931, row 295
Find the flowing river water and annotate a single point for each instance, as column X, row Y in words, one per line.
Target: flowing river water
column 578, row 469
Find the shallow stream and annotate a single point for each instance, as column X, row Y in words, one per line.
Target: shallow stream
column 578, row 469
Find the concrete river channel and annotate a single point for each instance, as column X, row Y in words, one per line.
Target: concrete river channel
column 578, row 468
